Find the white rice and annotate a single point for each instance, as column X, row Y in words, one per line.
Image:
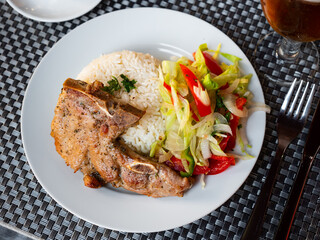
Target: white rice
column 144, row 69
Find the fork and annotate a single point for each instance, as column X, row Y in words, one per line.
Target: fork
column 290, row 124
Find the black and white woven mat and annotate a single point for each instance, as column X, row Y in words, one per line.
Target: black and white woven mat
column 26, row 206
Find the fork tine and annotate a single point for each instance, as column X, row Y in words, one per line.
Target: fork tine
column 288, row 96
column 296, row 98
column 309, row 102
column 296, row 113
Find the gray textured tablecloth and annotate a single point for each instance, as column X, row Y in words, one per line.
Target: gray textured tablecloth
column 26, row 206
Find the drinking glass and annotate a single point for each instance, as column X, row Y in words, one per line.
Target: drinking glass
column 289, row 52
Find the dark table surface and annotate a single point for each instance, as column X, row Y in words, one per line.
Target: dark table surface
column 26, row 208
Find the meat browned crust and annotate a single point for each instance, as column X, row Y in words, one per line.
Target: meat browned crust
column 86, row 125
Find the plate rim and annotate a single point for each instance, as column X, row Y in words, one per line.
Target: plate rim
column 83, row 25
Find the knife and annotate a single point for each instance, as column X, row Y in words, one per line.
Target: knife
column 310, row 151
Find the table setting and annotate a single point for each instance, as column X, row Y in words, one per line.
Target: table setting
column 272, row 193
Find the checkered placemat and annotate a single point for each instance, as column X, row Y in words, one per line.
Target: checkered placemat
column 26, row 206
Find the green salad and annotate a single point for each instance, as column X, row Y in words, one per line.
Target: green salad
column 206, row 103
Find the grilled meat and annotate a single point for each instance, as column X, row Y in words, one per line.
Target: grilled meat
column 86, row 127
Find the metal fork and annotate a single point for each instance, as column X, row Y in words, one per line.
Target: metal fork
column 290, row 124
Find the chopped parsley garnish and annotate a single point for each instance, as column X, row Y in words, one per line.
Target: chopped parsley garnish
column 219, row 103
column 113, row 86
column 227, row 116
column 127, row 84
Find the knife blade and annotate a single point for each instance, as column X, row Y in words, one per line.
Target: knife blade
column 310, row 151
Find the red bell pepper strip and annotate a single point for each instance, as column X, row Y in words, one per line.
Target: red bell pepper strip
column 234, row 122
column 192, row 82
column 194, row 115
column 224, row 142
column 212, row 64
column 193, row 109
column 167, row 86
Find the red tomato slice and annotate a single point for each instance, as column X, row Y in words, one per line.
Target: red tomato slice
column 176, row 164
column 232, row 161
column 220, row 158
column 200, row 170
column 212, row 64
column 240, row 102
column 224, row 86
column 217, row 166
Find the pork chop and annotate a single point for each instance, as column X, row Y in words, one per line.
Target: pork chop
column 86, row 127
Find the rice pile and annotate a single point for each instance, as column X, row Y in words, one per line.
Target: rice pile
column 144, row 69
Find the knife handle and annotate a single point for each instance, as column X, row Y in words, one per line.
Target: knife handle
column 256, row 220
column 294, row 198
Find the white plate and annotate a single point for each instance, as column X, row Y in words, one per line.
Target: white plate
column 52, row 10
column 162, row 33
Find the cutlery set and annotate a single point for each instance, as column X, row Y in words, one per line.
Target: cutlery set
column 291, row 120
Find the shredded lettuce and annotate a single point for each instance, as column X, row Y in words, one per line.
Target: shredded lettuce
column 243, row 85
column 170, row 70
column 184, row 60
column 157, row 147
column 215, row 56
column 230, row 57
column 193, row 146
column 153, row 148
column 186, row 114
column 164, row 94
column 209, row 83
column 199, row 62
column 188, row 132
column 163, row 91
column 170, row 119
column 230, row 73
column 174, row 142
